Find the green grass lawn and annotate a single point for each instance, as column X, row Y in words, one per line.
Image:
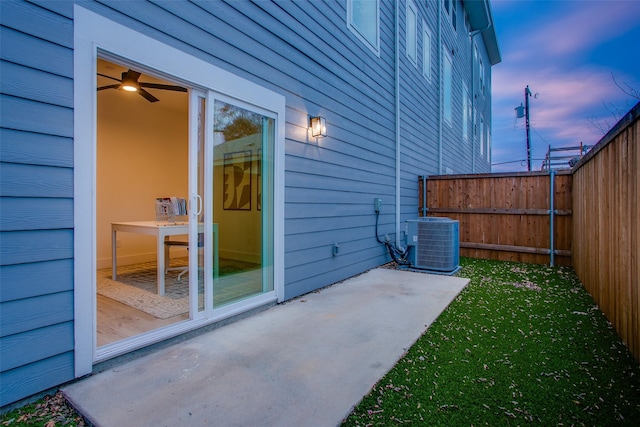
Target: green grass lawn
column 522, row 344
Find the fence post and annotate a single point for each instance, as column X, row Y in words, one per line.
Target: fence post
column 552, row 213
column 424, row 196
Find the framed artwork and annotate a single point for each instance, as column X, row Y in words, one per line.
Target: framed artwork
column 236, row 194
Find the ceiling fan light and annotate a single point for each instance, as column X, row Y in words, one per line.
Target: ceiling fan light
column 129, row 87
column 130, row 82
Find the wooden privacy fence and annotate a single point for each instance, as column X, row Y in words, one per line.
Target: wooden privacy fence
column 606, row 236
column 507, row 216
column 589, row 218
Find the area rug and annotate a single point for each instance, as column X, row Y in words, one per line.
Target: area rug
column 137, row 287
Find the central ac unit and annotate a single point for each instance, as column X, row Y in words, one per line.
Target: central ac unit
column 434, row 244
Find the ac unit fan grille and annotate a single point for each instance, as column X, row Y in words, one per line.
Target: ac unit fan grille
column 436, row 244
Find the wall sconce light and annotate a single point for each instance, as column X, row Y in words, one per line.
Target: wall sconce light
column 318, row 126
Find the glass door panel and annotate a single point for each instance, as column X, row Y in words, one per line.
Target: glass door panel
column 197, row 200
column 242, row 184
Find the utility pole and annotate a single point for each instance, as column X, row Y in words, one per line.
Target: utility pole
column 527, row 94
column 524, row 112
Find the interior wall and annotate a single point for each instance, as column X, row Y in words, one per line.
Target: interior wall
column 142, row 153
column 240, row 230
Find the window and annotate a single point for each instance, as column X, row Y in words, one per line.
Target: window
column 481, row 74
column 426, row 52
column 451, row 7
column 448, row 85
column 454, row 13
column 481, row 136
column 363, row 18
column 412, row 32
column 466, row 104
column 488, row 144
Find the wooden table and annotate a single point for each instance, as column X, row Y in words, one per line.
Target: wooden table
column 160, row 230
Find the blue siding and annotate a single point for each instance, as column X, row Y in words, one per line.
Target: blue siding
column 21, row 213
column 302, row 50
column 421, row 104
column 35, row 53
column 20, row 180
column 35, row 377
column 28, row 314
column 36, row 149
column 58, row 339
column 36, row 85
column 36, row 199
column 35, row 279
column 19, row 247
column 22, row 114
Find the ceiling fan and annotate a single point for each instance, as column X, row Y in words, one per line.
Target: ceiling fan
column 130, row 83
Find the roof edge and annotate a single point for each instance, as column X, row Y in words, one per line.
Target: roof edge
column 481, row 20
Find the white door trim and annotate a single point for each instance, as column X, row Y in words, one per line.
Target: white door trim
column 92, row 33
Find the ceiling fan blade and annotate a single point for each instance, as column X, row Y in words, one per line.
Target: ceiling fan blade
column 146, row 95
column 109, row 77
column 109, row 87
column 163, row 87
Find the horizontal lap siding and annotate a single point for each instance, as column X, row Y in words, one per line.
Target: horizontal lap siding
column 421, row 106
column 321, row 69
column 36, row 200
column 419, row 103
column 302, row 50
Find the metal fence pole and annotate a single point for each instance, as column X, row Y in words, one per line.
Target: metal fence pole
column 552, row 213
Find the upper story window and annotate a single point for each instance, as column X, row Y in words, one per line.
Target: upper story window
column 448, row 87
column 481, row 136
column 480, row 64
column 363, row 19
column 426, row 52
column 488, row 143
column 412, row 32
column 466, row 106
column 451, row 7
column 481, row 74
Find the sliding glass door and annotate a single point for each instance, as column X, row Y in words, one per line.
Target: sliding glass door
column 232, row 189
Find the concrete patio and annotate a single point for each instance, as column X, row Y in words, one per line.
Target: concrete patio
column 307, row 362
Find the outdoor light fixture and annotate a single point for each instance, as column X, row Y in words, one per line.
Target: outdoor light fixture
column 318, row 126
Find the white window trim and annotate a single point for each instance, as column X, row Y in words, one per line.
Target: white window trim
column 91, row 33
column 427, row 38
column 373, row 46
column 412, row 51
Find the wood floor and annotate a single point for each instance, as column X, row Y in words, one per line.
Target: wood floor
column 117, row 321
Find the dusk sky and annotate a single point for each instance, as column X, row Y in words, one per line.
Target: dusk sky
column 567, row 52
